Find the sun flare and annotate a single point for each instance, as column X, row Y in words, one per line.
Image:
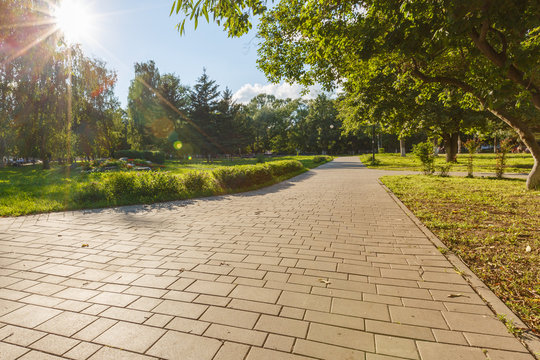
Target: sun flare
column 74, row 20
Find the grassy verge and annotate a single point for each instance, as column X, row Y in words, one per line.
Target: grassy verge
column 517, row 163
column 490, row 224
column 30, row 190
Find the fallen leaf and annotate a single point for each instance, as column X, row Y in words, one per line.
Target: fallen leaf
column 456, row 295
column 528, row 248
column 325, row 281
column 84, row 245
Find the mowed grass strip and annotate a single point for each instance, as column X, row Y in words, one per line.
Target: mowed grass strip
column 489, row 224
column 29, row 189
column 516, row 163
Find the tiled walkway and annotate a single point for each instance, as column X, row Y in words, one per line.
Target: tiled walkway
column 324, row 266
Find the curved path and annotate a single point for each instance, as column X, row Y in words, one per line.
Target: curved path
column 325, row 265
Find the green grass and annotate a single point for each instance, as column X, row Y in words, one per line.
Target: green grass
column 517, row 163
column 489, row 223
column 30, row 190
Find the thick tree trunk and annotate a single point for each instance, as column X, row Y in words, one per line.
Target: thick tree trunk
column 459, row 144
column 451, row 146
column 402, row 148
column 46, row 162
column 527, row 136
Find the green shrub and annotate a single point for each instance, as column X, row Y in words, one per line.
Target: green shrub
column 500, row 165
column 444, row 170
column 424, row 152
column 373, row 161
column 283, row 167
column 472, row 147
column 198, row 182
column 158, row 185
column 237, row 177
column 121, row 184
column 381, row 151
column 260, row 158
column 320, row 159
column 157, row 157
column 93, row 192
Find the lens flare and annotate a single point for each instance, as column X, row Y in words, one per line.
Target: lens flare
column 177, row 145
column 189, row 157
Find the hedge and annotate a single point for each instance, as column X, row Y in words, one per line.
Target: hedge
column 157, row 157
column 161, row 186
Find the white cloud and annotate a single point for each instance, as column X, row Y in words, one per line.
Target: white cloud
column 280, row 91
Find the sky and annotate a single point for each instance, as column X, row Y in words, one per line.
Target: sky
column 122, row 32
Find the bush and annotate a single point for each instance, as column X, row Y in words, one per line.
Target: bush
column 424, row 152
column 157, row 157
column 381, row 151
column 444, row 170
column 472, row 147
column 243, row 176
column 260, row 159
column 500, row 165
column 283, row 167
column 198, row 182
column 93, row 192
column 373, row 161
column 237, row 177
column 320, row 159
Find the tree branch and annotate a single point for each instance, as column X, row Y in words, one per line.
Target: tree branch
column 512, row 73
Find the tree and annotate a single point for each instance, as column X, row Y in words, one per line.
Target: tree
column 202, row 128
column 143, row 107
column 488, row 51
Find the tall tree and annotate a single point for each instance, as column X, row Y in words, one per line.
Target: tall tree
column 143, row 104
column 203, row 109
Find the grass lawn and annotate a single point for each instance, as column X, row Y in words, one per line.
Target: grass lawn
column 29, row 189
column 517, row 163
column 489, row 224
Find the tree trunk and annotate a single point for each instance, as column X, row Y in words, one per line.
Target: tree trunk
column 451, row 146
column 459, row 144
column 495, row 144
column 527, row 136
column 46, row 162
column 402, row 147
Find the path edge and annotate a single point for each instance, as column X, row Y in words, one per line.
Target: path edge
column 529, row 339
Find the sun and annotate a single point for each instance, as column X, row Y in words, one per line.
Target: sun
column 74, row 19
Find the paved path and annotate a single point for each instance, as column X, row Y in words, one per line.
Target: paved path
column 324, row 266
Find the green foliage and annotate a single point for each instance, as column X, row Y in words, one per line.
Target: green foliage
column 444, row 170
column 280, row 168
column 472, row 147
column 381, row 151
column 260, row 158
column 502, row 153
column 424, row 152
column 320, row 159
column 198, row 182
column 90, row 193
column 157, row 157
column 239, row 177
column 486, row 162
column 472, row 55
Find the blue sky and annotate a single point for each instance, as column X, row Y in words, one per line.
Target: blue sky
column 129, row 31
